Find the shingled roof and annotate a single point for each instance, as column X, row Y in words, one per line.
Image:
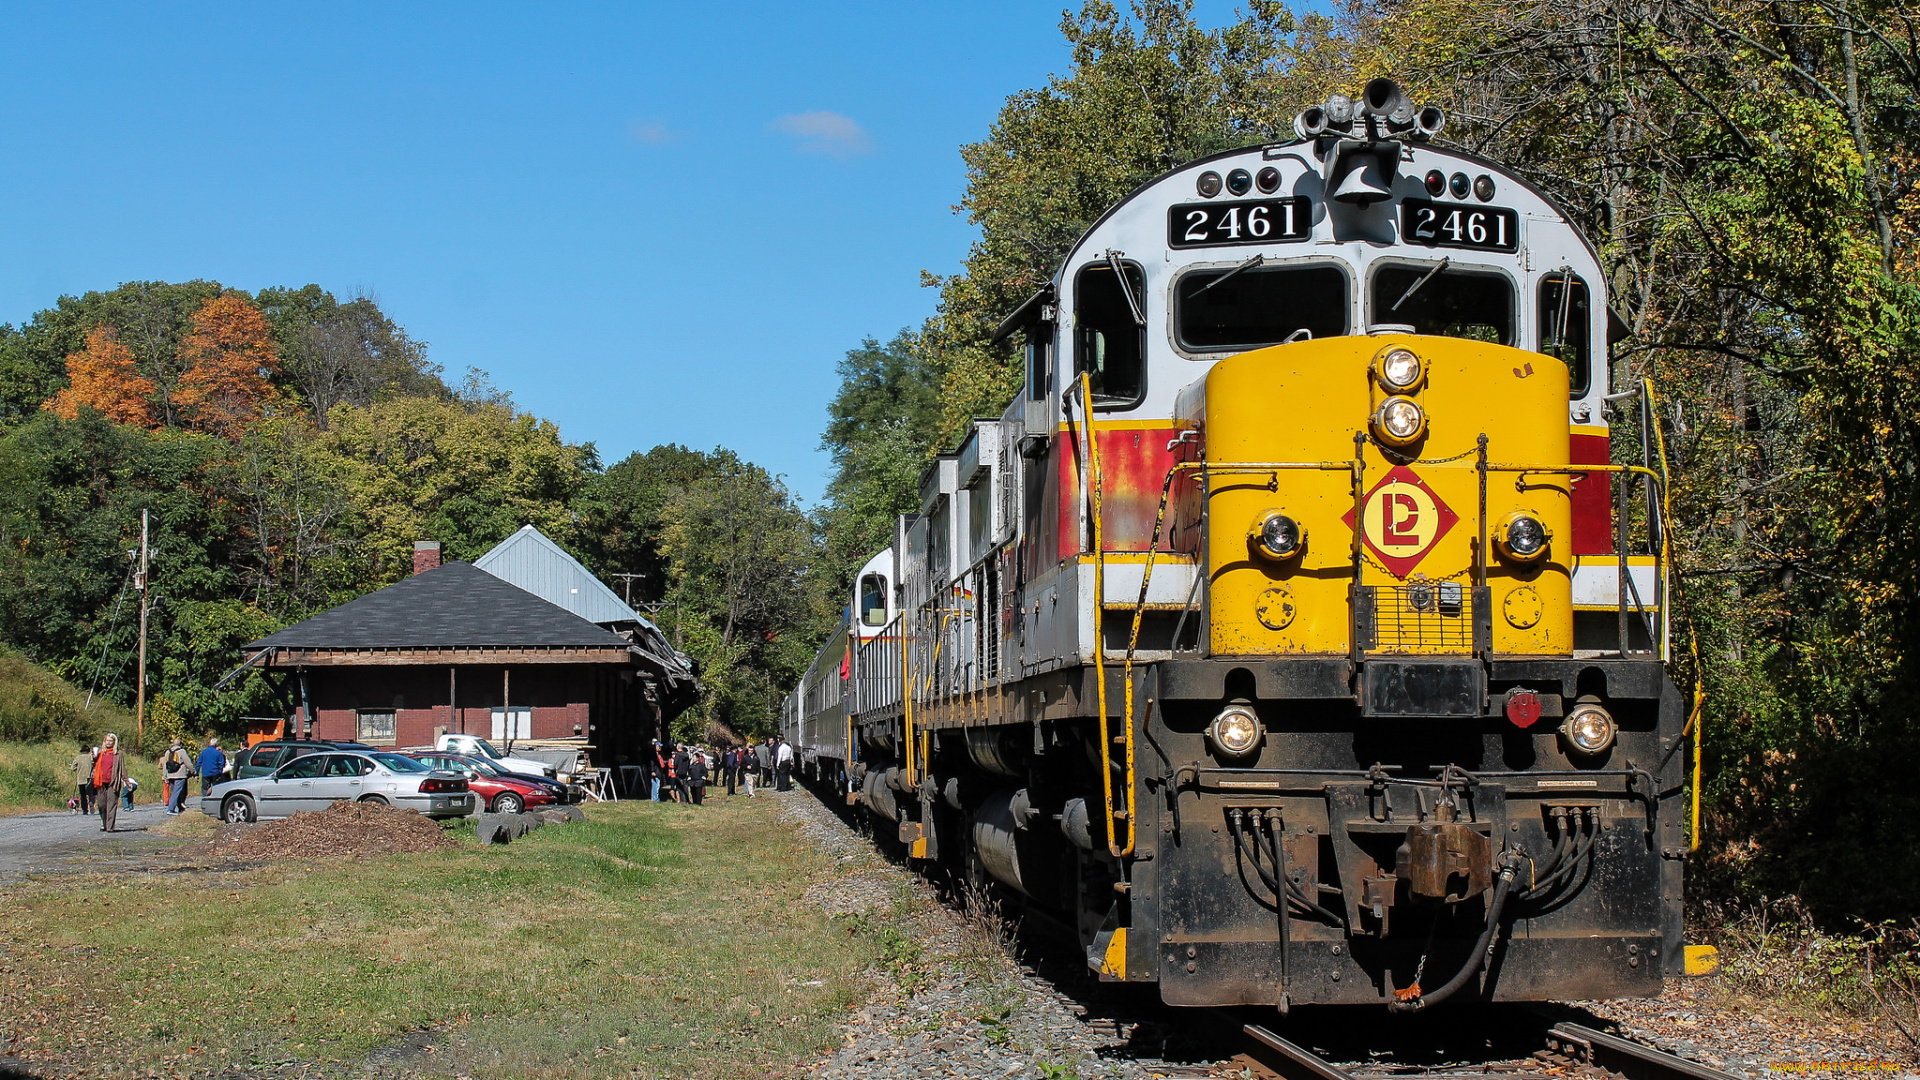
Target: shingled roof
column 451, row 606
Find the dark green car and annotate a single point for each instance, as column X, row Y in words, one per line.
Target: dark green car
column 262, row 758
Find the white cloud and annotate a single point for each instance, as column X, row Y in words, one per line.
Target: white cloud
column 652, row 133
column 826, row 133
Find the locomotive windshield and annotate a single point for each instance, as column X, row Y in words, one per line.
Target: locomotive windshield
column 1223, row 309
column 1451, row 303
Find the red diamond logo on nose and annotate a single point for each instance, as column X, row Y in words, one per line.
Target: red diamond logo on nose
column 1402, row 519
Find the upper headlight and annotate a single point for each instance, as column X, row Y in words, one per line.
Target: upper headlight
column 1278, row 535
column 1400, row 369
column 1236, row 731
column 1588, row 729
column 1522, row 537
column 1399, row 421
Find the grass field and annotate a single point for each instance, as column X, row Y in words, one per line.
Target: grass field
column 650, row 940
column 34, row 777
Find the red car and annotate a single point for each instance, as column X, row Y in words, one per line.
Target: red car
column 499, row 791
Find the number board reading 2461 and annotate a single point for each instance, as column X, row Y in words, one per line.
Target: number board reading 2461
column 1255, row 221
column 1483, row 228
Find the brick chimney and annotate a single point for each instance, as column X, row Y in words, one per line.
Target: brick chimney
column 426, row 555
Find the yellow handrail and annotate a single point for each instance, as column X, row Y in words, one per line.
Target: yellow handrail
column 1696, row 717
column 1100, row 638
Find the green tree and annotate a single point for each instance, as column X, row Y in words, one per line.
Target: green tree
column 467, row 476
column 740, row 550
column 621, row 514
column 148, row 317
column 880, row 430
column 352, row 353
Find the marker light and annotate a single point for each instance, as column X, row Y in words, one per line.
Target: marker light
column 1589, row 729
column 1483, row 187
column 1236, row 731
column 1459, row 184
column 1399, row 421
column 1436, row 183
column 1522, row 537
column 1239, row 181
column 1268, row 180
column 1208, row 184
column 1278, row 535
column 1400, row 369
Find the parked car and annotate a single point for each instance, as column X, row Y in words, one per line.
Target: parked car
column 498, row 790
column 314, row 781
column 263, row 758
column 475, row 746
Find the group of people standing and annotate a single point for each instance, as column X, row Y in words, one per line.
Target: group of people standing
column 682, row 772
column 100, row 776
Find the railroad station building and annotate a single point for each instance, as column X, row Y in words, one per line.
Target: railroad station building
column 454, row 648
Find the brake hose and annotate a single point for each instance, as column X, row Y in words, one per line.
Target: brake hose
column 1481, row 949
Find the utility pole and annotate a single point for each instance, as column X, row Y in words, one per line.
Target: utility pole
column 628, row 578
column 140, row 691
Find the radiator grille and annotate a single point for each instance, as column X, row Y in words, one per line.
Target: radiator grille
column 1419, row 614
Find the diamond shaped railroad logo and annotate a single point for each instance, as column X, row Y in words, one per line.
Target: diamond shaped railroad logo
column 1401, row 520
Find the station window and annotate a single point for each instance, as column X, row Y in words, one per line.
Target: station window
column 374, row 726
column 1217, row 310
column 1457, row 303
column 1566, row 327
column 1111, row 345
column 873, row 600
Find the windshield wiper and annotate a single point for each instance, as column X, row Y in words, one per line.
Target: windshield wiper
column 1248, row 265
column 1120, row 273
column 1404, row 297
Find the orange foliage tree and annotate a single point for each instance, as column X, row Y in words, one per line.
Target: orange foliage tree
column 230, row 357
column 103, row 376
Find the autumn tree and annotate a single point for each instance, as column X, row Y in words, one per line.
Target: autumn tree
column 230, row 362
column 103, row 376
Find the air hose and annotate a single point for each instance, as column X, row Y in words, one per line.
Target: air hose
column 1481, row 949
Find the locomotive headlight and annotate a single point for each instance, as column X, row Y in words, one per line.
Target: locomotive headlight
column 1589, row 729
column 1236, row 731
column 1278, row 535
column 1399, row 421
column 1522, row 537
column 1401, row 370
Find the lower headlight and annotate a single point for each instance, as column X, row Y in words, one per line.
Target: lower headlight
column 1522, row 537
column 1589, row 729
column 1236, row 731
column 1399, row 421
column 1278, row 535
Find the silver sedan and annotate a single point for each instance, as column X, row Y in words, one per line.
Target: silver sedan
column 317, row 781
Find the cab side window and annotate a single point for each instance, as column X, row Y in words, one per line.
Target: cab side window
column 1110, row 341
column 873, row 600
column 1566, row 327
column 1039, row 361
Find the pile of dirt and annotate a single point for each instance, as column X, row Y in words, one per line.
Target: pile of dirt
column 341, row 829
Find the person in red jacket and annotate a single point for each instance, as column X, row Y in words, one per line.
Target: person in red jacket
column 109, row 776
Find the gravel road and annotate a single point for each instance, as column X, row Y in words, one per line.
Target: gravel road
column 63, row 842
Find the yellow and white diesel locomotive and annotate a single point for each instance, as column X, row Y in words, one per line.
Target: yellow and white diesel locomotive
column 1294, row 634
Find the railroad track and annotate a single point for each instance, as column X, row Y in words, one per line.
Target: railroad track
column 1568, row 1050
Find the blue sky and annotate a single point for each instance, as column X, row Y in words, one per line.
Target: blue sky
column 650, row 223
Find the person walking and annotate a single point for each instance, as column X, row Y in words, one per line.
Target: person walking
column 83, row 775
column 749, row 770
column 783, row 766
column 659, row 768
column 109, row 776
column 763, row 761
column 211, row 764
column 177, row 766
column 677, row 772
column 696, row 777
column 730, row 764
